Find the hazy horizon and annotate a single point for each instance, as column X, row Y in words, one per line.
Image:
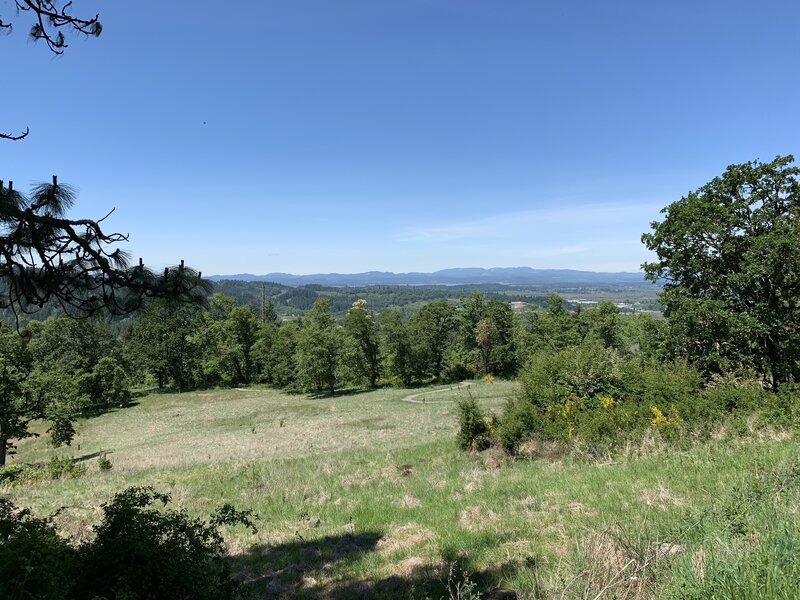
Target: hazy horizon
column 405, row 272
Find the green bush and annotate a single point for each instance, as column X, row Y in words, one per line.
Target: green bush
column 604, row 400
column 511, row 431
column 33, row 558
column 144, row 552
column 475, row 425
column 139, row 552
column 576, row 372
column 61, row 467
column 58, row 467
column 458, row 372
column 11, row 473
column 103, row 462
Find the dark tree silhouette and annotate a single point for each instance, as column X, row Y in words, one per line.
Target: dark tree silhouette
column 50, row 21
column 46, row 257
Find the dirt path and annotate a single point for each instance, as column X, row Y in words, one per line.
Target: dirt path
column 413, row 397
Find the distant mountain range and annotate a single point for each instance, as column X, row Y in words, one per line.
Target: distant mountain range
column 507, row 276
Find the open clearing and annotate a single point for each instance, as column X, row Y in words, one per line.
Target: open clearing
column 364, row 495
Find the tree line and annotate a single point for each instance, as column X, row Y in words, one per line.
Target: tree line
column 187, row 346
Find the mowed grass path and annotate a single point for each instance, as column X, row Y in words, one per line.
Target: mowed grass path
column 366, row 494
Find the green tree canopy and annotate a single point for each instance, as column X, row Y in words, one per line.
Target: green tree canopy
column 361, row 330
column 318, row 351
column 396, row 348
column 25, row 397
column 432, row 330
column 729, row 254
column 226, row 337
column 162, row 343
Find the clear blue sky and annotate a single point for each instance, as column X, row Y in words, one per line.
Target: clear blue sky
column 317, row 136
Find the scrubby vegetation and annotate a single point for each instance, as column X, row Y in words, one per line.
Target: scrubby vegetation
column 597, row 401
column 137, row 551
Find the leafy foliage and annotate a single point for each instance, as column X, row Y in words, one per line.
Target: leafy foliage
column 104, row 463
column 138, row 552
column 34, row 559
column 431, row 331
column 361, row 329
column 162, row 343
column 226, row 336
column 318, row 349
column 730, row 256
column 475, row 426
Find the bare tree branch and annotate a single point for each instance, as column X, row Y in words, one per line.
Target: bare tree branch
column 14, row 138
column 50, row 19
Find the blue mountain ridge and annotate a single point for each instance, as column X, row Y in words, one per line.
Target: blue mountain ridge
column 462, row 276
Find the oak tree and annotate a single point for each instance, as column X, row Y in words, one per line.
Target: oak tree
column 729, row 254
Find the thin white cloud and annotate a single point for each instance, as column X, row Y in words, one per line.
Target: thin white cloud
column 506, row 225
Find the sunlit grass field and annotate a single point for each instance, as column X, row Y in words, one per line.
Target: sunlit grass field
column 367, row 495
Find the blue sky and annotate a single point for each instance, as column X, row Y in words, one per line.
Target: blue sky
column 345, row 136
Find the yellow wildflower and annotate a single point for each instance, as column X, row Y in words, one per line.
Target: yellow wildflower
column 489, row 422
column 566, row 410
column 658, row 416
column 607, row 401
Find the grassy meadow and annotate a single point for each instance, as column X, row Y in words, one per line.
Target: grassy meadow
column 367, row 495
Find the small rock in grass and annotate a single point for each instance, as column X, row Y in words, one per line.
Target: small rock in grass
column 313, row 522
column 668, row 549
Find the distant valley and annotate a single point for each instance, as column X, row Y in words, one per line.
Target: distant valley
column 560, row 278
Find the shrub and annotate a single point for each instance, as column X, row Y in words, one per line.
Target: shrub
column 458, row 372
column 603, row 400
column 575, row 373
column 511, row 432
column 138, row 552
column 33, row 558
column 61, row 467
column 475, row 425
column 144, row 552
column 11, row 473
column 103, row 462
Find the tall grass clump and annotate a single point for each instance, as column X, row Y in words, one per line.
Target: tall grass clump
column 748, row 544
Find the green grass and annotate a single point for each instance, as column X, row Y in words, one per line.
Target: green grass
column 397, row 502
